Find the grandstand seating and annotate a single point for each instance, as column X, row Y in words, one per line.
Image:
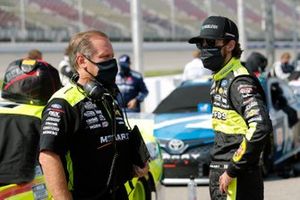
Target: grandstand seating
column 190, row 9
column 122, row 5
column 49, row 18
column 284, row 18
column 152, row 19
column 59, row 7
column 8, row 19
column 63, row 9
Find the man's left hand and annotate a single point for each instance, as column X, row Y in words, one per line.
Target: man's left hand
column 224, row 182
column 132, row 104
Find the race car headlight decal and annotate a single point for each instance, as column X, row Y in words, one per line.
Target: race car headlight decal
column 153, row 149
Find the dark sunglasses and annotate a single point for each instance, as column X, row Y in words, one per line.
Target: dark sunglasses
column 206, row 43
column 209, row 43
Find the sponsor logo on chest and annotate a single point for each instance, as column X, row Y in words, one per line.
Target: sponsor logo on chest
column 220, row 94
column 109, row 138
column 94, row 117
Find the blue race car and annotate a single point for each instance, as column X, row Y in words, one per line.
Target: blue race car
column 183, row 128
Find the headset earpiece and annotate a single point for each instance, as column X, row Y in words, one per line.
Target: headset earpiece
column 74, row 78
column 94, row 90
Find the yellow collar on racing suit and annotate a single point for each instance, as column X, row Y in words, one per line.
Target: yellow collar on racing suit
column 233, row 64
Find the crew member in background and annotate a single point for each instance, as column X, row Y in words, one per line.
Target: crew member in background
column 131, row 85
column 65, row 69
column 35, row 54
column 240, row 117
column 84, row 146
column 194, row 69
column 296, row 62
column 283, row 69
column 27, row 86
column 257, row 63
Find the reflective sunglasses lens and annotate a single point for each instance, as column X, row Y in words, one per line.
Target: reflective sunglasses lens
column 199, row 45
column 206, row 43
column 210, row 43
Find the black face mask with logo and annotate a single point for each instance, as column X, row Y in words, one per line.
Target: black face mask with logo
column 124, row 69
column 212, row 58
column 107, row 71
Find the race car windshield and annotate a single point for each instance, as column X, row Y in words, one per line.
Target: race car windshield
column 185, row 98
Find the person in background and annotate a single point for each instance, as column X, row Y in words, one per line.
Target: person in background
column 283, row 69
column 240, row 117
column 296, row 63
column 27, row 86
column 35, row 54
column 194, row 69
column 65, row 69
column 257, row 63
column 132, row 87
column 85, row 146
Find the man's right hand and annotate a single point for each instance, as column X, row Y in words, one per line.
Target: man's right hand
column 140, row 172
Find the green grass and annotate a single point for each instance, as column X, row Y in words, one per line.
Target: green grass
column 162, row 72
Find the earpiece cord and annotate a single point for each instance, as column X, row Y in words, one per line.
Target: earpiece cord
column 93, row 77
column 111, row 112
column 130, row 129
column 124, row 110
column 114, row 132
column 74, row 79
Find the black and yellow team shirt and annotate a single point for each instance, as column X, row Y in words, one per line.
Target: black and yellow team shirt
column 19, row 139
column 240, row 118
column 80, row 131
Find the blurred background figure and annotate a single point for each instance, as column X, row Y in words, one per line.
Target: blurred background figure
column 65, row 69
column 296, row 62
column 257, row 63
column 132, row 88
column 194, row 69
column 283, row 68
column 35, row 54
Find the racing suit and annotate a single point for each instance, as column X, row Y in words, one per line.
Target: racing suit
column 80, row 131
column 132, row 86
column 242, row 125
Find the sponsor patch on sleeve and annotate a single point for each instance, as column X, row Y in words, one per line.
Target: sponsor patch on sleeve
column 53, row 117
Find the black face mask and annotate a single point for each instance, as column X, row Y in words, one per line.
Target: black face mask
column 107, row 72
column 212, row 58
column 124, row 69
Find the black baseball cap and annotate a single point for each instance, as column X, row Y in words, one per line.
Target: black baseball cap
column 217, row 27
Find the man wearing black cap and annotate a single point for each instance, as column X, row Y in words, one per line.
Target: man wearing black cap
column 131, row 85
column 240, row 117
